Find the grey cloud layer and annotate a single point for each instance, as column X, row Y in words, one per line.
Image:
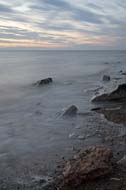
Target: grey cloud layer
column 64, row 15
column 75, row 12
column 5, row 8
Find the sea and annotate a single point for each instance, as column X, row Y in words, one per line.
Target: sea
column 32, row 127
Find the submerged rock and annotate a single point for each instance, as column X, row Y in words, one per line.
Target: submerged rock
column 43, row 81
column 88, row 165
column 106, row 78
column 118, row 94
column 72, row 110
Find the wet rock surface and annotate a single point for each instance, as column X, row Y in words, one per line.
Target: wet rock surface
column 115, row 109
column 117, row 115
column 117, row 95
column 43, row 82
column 87, row 166
column 72, row 110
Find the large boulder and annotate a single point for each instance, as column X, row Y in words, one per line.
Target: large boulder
column 72, row 110
column 93, row 163
column 43, row 81
column 118, row 94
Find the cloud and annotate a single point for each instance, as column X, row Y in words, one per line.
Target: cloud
column 68, row 23
column 73, row 11
column 57, row 3
column 5, row 8
column 60, row 4
column 94, row 6
column 86, row 15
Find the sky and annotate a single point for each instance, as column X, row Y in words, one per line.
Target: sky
column 63, row 24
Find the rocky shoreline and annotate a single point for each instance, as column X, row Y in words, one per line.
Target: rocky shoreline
column 99, row 167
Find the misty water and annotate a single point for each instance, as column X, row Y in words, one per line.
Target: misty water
column 31, row 124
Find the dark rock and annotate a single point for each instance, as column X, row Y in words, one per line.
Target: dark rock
column 123, row 73
column 118, row 94
column 44, row 81
column 96, row 109
column 86, row 166
column 102, row 97
column 72, row 110
column 106, row 78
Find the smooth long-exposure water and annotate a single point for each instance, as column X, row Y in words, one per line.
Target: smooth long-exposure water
column 31, row 124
